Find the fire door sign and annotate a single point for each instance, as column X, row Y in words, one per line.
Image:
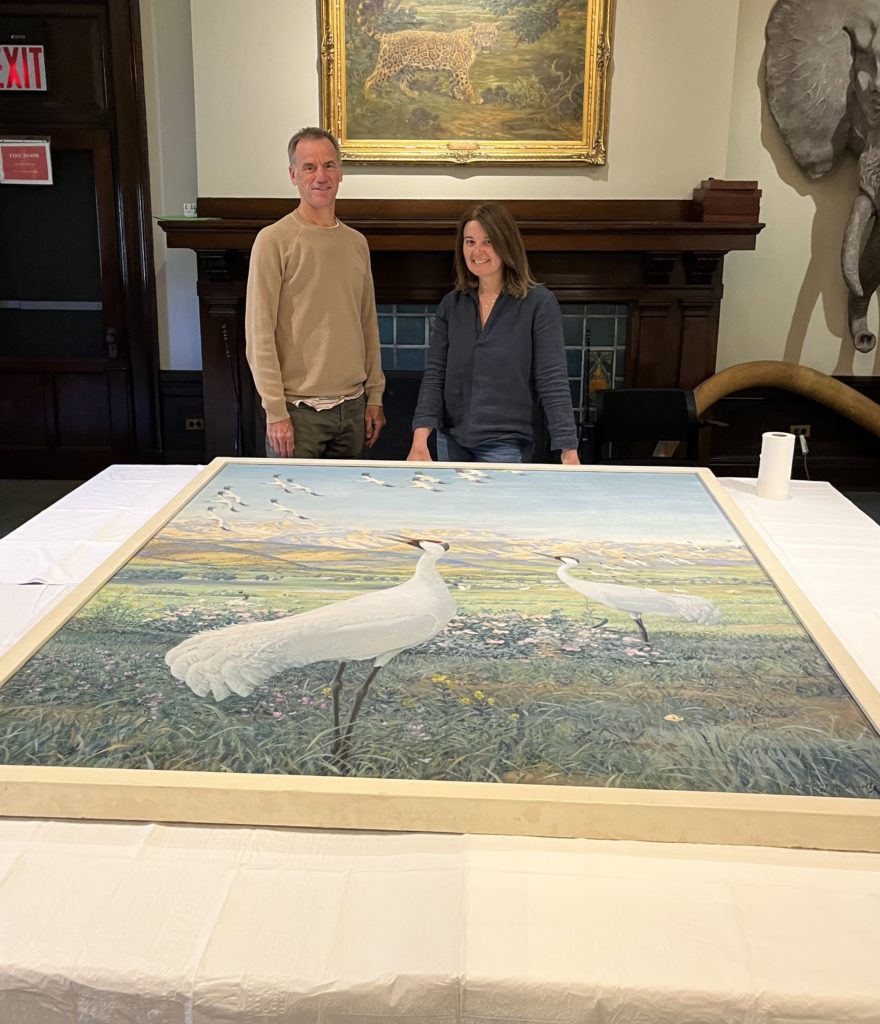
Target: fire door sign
column 25, row 162
column 22, row 68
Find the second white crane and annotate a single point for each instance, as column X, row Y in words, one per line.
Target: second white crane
column 638, row 601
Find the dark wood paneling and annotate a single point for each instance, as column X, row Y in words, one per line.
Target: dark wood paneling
column 82, row 406
column 421, row 276
column 66, row 418
column 654, row 355
column 663, row 259
column 182, row 403
column 427, row 225
column 95, row 75
column 24, row 412
column 136, row 226
column 226, row 376
column 699, row 329
column 390, row 214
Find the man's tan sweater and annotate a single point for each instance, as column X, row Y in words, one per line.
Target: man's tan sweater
column 310, row 319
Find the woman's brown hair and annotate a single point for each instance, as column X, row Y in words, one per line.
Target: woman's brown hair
column 498, row 223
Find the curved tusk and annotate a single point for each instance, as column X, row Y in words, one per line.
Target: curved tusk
column 802, row 380
column 854, row 239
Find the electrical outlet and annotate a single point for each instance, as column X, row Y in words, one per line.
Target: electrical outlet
column 193, row 423
column 800, row 428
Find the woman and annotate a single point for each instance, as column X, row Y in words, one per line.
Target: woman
column 497, row 336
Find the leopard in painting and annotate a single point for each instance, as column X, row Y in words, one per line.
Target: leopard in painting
column 413, row 50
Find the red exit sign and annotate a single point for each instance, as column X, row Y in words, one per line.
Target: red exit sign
column 23, row 68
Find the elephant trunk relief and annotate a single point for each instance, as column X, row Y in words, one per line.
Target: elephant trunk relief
column 823, row 89
column 860, row 255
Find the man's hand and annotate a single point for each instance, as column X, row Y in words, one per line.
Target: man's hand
column 569, row 457
column 374, row 421
column 280, row 436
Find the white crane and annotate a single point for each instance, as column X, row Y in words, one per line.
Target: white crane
column 638, row 601
column 227, row 502
column 368, row 478
column 430, row 479
column 218, row 518
column 371, row 627
column 301, row 487
column 278, row 482
column 475, row 476
column 276, row 504
column 424, row 485
column 228, row 493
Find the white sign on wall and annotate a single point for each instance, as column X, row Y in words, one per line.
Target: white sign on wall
column 22, row 68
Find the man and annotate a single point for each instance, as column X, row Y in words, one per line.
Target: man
column 310, row 320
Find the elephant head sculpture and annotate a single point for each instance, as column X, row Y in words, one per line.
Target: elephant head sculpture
column 823, row 89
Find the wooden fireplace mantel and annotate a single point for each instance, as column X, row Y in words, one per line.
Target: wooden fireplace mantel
column 663, row 258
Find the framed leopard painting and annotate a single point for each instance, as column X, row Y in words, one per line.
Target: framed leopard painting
column 467, row 81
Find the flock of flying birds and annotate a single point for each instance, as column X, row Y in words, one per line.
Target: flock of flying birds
column 225, row 503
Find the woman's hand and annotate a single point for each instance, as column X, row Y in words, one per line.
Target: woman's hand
column 419, row 450
column 419, row 453
column 569, row 457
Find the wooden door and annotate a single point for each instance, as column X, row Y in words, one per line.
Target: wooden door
column 77, row 331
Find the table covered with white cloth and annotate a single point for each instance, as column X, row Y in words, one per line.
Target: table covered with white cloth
column 112, row 922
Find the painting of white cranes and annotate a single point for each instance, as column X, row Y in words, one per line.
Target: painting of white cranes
column 541, row 627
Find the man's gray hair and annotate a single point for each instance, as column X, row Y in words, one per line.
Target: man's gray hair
column 310, row 133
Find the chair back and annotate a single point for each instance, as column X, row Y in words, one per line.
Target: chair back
column 646, row 426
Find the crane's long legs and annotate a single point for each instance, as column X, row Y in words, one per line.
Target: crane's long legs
column 637, row 619
column 359, row 695
column 336, row 690
column 596, row 621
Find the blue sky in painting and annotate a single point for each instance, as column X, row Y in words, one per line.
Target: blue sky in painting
column 631, row 506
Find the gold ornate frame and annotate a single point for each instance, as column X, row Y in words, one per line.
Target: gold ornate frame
column 338, row 30
column 832, row 823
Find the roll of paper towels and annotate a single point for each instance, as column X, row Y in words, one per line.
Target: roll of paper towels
column 774, row 472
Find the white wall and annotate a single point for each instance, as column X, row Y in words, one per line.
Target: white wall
column 686, row 104
column 168, row 83
column 787, row 300
column 257, row 77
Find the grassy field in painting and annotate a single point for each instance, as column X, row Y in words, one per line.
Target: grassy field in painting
column 530, row 90
column 526, row 684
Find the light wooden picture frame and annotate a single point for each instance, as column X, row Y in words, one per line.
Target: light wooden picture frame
column 467, row 81
column 527, row 681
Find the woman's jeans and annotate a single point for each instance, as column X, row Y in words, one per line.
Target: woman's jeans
column 449, row 450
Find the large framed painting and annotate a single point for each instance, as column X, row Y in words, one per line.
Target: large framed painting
column 438, row 647
column 467, row 81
